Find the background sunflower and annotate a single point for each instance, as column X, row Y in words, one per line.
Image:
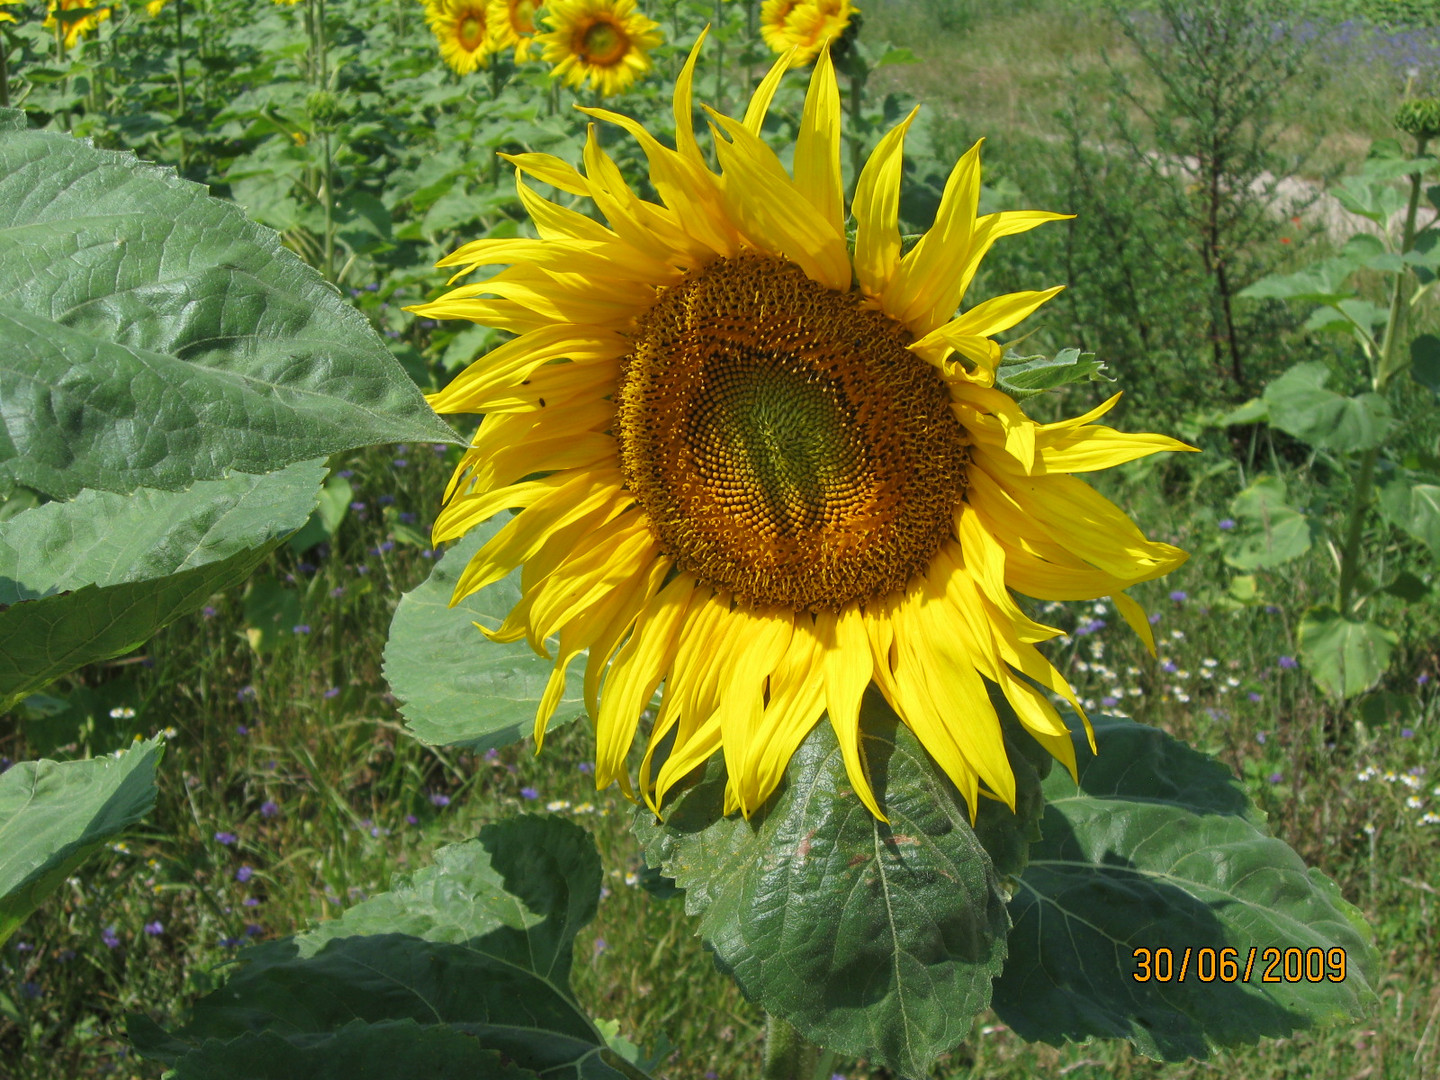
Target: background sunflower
column 462, row 28
column 606, row 42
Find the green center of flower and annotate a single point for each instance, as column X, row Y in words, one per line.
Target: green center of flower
column 604, row 43
column 470, row 31
column 784, row 443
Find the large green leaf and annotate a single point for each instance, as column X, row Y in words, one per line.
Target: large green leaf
column 1300, row 404
column 152, row 336
column 1158, row 848
column 1344, row 656
column 456, row 687
column 479, row 943
column 1268, row 531
column 55, row 813
column 1413, row 506
column 872, row 939
column 94, row 577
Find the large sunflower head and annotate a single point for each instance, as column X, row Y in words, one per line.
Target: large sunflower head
column 764, row 471
column 74, row 28
column 513, row 24
column 605, row 41
column 462, row 28
column 803, row 25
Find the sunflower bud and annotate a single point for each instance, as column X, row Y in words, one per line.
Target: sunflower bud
column 1419, row 117
column 323, row 107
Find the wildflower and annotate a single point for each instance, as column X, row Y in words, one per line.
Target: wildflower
column 1253, row 696
column 241, row 729
column 269, row 809
column 1422, row 679
column 1154, row 619
column 556, row 805
column 337, row 592
column 605, row 41
column 529, row 793
column 333, row 692
column 245, row 693
column 1414, row 803
column 462, row 29
column 229, row 839
column 300, row 629
column 123, row 712
column 1169, row 667
column 1262, row 738
column 586, row 768
column 1226, row 524
column 1109, row 701
column 1178, row 596
column 411, row 819
column 1407, row 733
column 439, row 798
column 250, row 901
column 598, row 947
column 665, row 512
column 1275, row 777
column 1288, row 662
column 208, row 611
column 155, row 928
column 109, row 937
column 244, row 874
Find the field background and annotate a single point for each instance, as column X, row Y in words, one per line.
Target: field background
column 289, row 789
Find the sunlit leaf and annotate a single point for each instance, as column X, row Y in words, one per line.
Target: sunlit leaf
column 1344, row 656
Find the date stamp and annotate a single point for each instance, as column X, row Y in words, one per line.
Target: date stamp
column 1267, row 965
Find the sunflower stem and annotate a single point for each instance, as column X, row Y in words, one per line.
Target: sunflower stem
column 787, row 1055
column 1385, row 369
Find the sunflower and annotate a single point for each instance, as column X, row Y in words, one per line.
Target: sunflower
column 803, row 25
column 606, row 41
column 765, row 472
column 5, row 16
column 74, row 29
column 463, row 29
column 154, row 7
column 513, row 24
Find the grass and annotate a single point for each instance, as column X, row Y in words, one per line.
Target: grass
column 290, row 790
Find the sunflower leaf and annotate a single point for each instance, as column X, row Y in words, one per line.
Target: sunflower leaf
column 153, row 337
column 1158, row 848
column 94, row 577
column 456, row 687
column 477, row 946
column 1026, row 376
column 874, row 940
column 53, row 814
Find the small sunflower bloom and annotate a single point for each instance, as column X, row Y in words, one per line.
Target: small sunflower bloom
column 5, row 16
column 803, row 25
column 764, row 471
column 462, row 27
column 512, row 25
column 154, row 7
column 74, row 28
column 606, row 42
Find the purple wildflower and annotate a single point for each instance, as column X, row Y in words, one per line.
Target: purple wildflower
column 1275, row 777
column 1109, row 701
column 357, row 506
column 1288, row 662
column 269, row 809
column 1254, row 696
column 529, row 793
column 1226, row 524
column 345, row 474
column 1407, row 733
column 208, row 611
column 245, row 693
column 586, row 768
column 439, row 798
column 251, row 901
column 1155, row 619
column 229, row 839
column 244, row 874
column 241, row 729
column 155, row 928
column 337, row 592
column 599, row 946
column 411, row 819
column 1178, row 596
column 1422, row 678
column 334, row 691
column 1169, row 667
column 109, row 937
column 302, row 628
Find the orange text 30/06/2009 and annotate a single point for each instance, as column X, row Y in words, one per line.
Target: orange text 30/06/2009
column 1228, row 965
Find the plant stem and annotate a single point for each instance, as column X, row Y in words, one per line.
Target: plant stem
column 787, row 1055
column 329, row 203
column 1385, row 370
column 4, row 73
column 180, row 53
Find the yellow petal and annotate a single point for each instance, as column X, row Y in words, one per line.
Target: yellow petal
column 999, row 313
column 926, row 288
column 1134, row 616
column 877, row 211
column 848, row 668
column 764, row 94
column 817, row 146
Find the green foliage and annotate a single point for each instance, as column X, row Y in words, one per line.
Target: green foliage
column 1346, row 656
column 54, row 814
column 1155, row 848
column 456, row 687
column 1300, row 405
column 478, row 945
column 872, row 939
column 1268, row 531
column 1026, row 376
column 158, row 338
column 92, row 578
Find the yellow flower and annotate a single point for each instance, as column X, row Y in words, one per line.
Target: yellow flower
column 803, row 25
column 463, row 30
column 154, row 7
column 5, row 16
column 74, row 29
column 606, row 41
column 765, row 472
column 513, row 24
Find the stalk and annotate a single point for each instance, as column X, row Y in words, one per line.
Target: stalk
column 1385, row 369
column 788, row 1056
column 180, row 53
column 329, row 204
column 4, row 73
